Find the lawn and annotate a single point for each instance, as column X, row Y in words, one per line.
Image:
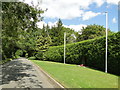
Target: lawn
column 74, row 76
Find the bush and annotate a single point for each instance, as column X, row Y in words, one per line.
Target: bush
column 90, row 53
column 39, row 55
column 18, row 53
column 26, row 55
column 5, row 61
column 32, row 58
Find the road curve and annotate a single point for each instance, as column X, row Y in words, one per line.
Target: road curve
column 22, row 73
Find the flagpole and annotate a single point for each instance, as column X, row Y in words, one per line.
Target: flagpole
column 64, row 45
column 106, row 41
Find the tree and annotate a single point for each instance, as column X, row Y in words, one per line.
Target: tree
column 56, row 34
column 92, row 31
column 19, row 29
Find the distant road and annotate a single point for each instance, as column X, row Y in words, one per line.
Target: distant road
column 22, row 73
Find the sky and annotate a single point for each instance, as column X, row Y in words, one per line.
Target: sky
column 76, row 14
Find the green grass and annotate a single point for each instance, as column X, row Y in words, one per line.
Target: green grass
column 73, row 76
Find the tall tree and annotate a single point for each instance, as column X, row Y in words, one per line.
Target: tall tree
column 92, row 31
column 56, row 34
column 19, row 29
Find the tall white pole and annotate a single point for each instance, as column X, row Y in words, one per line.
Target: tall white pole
column 64, row 45
column 106, row 41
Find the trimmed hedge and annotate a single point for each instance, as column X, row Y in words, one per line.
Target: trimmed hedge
column 91, row 53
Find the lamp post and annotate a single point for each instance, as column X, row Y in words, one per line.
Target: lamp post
column 106, row 41
column 106, row 14
column 64, row 45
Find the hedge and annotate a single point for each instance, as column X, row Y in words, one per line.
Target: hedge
column 91, row 53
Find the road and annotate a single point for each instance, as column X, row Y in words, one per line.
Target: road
column 22, row 73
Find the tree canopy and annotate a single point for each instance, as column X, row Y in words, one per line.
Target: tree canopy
column 19, row 29
column 92, row 31
column 56, row 34
column 21, row 34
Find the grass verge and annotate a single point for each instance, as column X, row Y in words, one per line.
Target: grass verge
column 73, row 76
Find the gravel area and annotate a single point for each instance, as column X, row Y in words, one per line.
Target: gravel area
column 22, row 73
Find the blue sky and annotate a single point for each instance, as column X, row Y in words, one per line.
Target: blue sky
column 76, row 14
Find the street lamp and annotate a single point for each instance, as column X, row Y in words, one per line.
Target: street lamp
column 106, row 41
column 64, row 45
column 106, row 14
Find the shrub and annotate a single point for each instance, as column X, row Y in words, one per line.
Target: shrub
column 26, row 55
column 90, row 53
column 18, row 53
column 5, row 61
column 32, row 58
column 39, row 55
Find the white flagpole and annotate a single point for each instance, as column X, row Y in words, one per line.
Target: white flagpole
column 106, row 41
column 64, row 45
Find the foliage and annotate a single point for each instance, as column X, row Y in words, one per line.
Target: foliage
column 5, row 61
column 18, row 53
column 39, row 55
column 90, row 53
column 56, row 34
column 92, row 31
column 32, row 58
column 19, row 30
column 33, row 42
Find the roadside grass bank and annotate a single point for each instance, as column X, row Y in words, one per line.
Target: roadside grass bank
column 74, row 76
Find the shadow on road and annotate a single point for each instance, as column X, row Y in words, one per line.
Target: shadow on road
column 16, row 70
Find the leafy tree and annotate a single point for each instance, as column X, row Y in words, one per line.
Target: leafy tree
column 92, row 31
column 56, row 34
column 19, row 29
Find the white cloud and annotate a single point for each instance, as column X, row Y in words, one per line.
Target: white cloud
column 114, row 20
column 113, row 1
column 99, row 2
column 89, row 14
column 35, row 2
column 74, row 27
column 40, row 24
column 52, row 24
column 70, row 9
column 63, row 9
column 81, row 3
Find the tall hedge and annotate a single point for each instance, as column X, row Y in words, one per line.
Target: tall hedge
column 91, row 53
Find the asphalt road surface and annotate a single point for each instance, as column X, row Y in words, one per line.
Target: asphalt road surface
column 22, row 73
